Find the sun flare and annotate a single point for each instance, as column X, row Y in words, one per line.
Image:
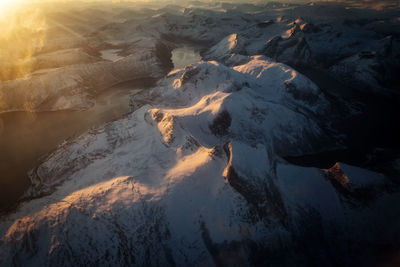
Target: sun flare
column 8, row 6
column 5, row 3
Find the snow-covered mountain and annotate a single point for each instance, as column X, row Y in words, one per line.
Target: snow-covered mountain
column 196, row 177
column 327, row 36
column 199, row 172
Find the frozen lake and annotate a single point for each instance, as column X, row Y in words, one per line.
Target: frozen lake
column 184, row 56
column 111, row 54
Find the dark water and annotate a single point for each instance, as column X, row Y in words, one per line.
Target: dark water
column 25, row 137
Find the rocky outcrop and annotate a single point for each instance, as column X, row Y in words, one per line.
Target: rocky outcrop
column 293, row 50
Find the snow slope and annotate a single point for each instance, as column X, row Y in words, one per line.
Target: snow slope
column 195, row 177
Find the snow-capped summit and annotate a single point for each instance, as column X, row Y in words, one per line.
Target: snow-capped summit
column 193, row 177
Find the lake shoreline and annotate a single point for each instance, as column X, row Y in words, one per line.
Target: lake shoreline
column 27, row 137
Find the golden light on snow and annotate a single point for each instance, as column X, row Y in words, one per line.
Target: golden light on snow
column 187, row 165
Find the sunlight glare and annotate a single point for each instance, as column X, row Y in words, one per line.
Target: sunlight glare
column 8, row 6
column 23, row 33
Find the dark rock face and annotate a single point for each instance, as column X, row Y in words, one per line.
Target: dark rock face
column 262, row 195
column 293, row 50
column 298, row 94
column 188, row 75
column 310, row 28
column 221, row 123
column 265, row 24
column 226, row 253
column 163, row 53
column 357, row 194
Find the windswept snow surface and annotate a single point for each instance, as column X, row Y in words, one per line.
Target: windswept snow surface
column 196, row 174
column 196, row 177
